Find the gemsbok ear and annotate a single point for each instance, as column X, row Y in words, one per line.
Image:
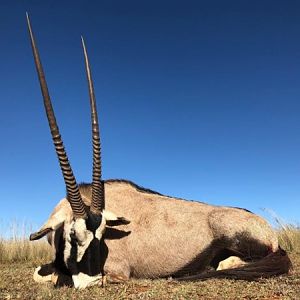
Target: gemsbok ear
column 118, row 222
column 113, row 220
column 62, row 213
column 39, row 234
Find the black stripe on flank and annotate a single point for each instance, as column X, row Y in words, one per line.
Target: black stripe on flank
column 241, row 245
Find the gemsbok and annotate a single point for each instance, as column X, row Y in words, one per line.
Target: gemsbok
column 158, row 237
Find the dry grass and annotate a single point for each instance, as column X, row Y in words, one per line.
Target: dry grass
column 17, row 247
column 289, row 238
column 21, row 250
column 18, row 257
column 17, row 284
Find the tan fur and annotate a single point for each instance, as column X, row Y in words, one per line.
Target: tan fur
column 167, row 234
column 54, row 278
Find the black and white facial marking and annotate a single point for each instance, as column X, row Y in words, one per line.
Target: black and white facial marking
column 82, row 252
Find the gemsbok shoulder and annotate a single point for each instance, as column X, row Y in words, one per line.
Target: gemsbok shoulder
column 114, row 229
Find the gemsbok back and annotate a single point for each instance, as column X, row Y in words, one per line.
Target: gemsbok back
column 165, row 237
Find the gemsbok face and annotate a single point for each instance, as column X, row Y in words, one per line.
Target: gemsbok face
column 80, row 250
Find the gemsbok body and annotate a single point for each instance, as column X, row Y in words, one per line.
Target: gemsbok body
column 114, row 230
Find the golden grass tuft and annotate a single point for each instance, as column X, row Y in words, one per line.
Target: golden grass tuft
column 22, row 250
column 288, row 234
column 289, row 238
column 16, row 247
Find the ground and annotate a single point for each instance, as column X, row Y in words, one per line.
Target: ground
column 16, row 283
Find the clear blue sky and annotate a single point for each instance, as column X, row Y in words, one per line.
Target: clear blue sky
column 197, row 99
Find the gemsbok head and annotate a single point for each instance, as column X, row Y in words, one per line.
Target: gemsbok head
column 81, row 251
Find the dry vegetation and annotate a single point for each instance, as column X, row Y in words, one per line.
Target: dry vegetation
column 19, row 257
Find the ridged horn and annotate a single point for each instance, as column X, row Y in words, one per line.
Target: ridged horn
column 98, row 201
column 73, row 194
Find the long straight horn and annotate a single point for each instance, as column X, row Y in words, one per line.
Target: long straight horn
column 98, row 201
column 73, row 194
